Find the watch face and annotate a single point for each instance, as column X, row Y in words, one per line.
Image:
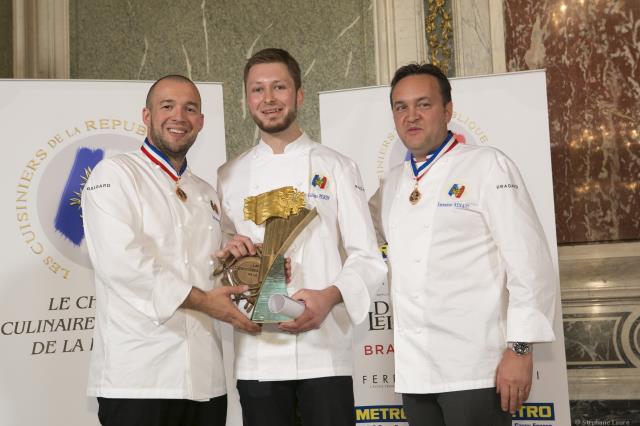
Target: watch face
column 521, row 348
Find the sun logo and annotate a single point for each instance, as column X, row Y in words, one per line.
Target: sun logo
column 76, row 200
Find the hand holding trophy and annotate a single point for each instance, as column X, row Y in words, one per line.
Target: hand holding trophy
column 284, row 215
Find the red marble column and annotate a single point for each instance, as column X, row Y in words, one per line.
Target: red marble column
column 591, row 52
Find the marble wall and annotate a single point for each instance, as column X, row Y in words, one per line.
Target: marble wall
column 600, row 286
column 210, row 40
column 591, row 51
column 6, row 39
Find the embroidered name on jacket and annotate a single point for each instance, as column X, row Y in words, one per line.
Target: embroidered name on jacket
column 507, row 186
column 98, row 186
column 455, row 205
column 318, row 196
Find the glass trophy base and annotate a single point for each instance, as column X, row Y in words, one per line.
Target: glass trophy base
column 274, row 283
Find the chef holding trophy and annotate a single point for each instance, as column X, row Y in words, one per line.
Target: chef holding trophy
column 290, row 196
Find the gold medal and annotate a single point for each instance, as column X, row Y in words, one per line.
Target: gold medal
column 181, row 194
column 415, row 196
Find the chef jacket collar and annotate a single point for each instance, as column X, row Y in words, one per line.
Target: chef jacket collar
column 297, row 146
column 158, row 157
column 407, row 158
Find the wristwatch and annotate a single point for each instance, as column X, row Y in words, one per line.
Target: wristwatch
column 520, row 348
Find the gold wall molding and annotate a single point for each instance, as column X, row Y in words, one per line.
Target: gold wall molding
column 439, row 31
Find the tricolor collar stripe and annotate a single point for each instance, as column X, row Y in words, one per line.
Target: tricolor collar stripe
column 446, row 146
column 157, row 157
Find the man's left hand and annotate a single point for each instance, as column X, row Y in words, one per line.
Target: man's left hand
column 318, row 304
column 513, row 380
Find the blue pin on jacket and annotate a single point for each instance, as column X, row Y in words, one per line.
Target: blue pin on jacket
column 68, row 219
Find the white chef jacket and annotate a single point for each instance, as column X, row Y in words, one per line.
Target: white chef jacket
column 148, row 249
column 469, row 273
column 343, row 220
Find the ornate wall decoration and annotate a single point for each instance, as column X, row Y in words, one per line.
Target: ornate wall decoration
column 439, row 34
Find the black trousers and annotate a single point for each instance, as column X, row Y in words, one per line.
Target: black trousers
column 162, row 412
column 324, row 401
column 476, row 407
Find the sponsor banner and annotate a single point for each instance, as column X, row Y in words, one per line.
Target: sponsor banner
column 55, row 134
column 536, row 411
column 389, row 415
column 508, row 111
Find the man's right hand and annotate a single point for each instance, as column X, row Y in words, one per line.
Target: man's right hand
column 241, row 245
column 237, row 246
column 217, row 303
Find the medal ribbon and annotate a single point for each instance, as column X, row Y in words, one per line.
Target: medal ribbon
column 157, row 157
column 446, row 146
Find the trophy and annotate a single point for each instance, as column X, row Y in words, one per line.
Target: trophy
column 284, row 215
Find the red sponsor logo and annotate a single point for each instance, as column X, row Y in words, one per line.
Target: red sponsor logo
column 378, row 349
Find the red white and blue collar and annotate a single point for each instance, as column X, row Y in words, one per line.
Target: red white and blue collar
column 159, row 158
column 419, row 171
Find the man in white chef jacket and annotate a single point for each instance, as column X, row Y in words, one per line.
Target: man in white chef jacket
column 472, row 282
column 151, row 226
column 304, row 363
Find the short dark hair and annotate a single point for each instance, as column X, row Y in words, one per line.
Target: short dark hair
column 274, row 55
column 175, row 77
column 427, row 69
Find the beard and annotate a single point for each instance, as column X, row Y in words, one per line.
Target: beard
column 272, row 128
column 164, row 146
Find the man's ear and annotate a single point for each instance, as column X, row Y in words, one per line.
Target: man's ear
column 299, row 97
column 448, row 110
column 146, row 116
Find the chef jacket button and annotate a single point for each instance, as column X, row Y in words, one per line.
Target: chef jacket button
column 426, row 226
column 179, row 225
column 394, row 226
column 210, row 261
column 418, row 331
column 199, row 198
column 256, row 186
column 417, row 260
column 186, row 261
column 210, row 227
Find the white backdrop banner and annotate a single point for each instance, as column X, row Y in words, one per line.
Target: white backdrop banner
column 54, row 131
column 507, row 111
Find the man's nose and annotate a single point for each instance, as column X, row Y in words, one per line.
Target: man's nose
column 268, row 95
column 412, row 114
column 178, row 114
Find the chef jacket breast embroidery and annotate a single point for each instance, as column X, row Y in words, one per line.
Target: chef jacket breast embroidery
column 320, row 184
column 455, row 197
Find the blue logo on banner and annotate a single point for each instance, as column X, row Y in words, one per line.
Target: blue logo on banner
column 380, row 414
column 535, row 411
column 68, row 220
